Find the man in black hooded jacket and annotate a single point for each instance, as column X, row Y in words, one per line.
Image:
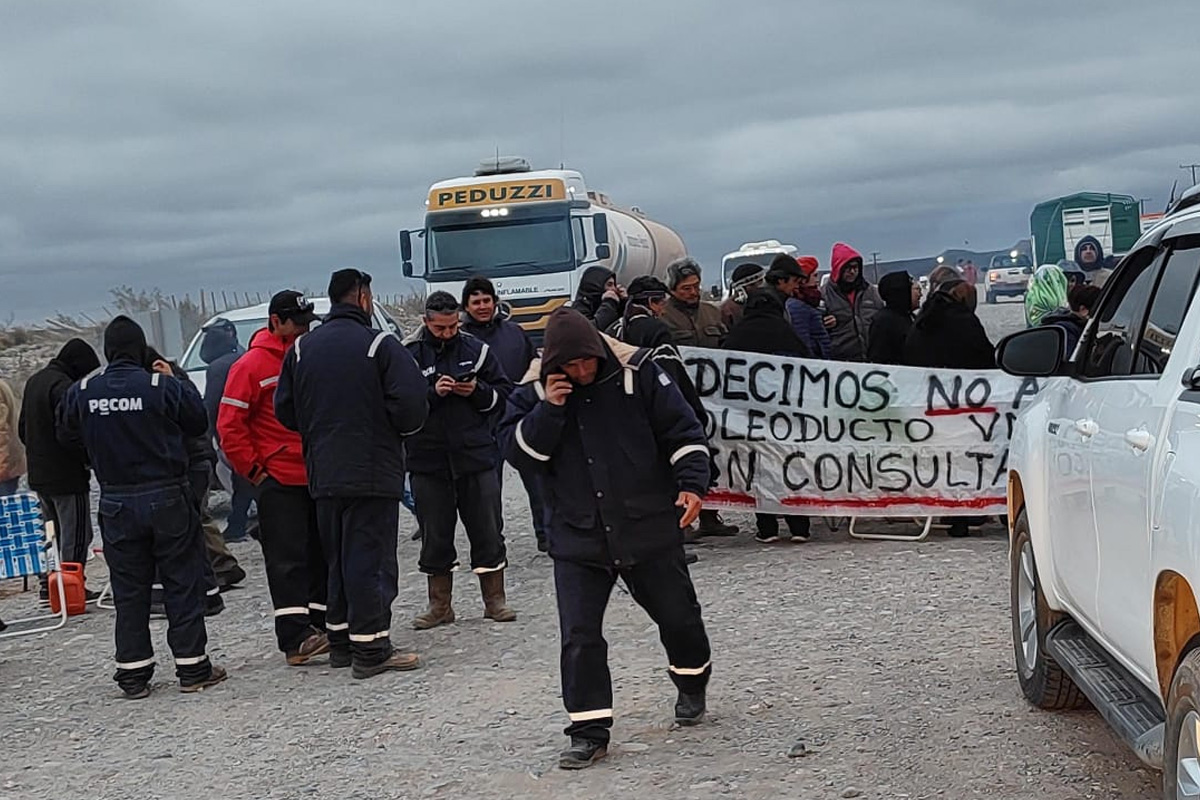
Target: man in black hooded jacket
column 625, row 463
column 891, row 324
column 219, row 349
column 135, row 425
column 59, row 473
column 599, row 298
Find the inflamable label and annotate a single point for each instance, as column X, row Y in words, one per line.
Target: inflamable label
column 492, row 194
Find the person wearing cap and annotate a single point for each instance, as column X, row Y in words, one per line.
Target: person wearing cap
column 745, row 279
column 693, row 322
column 625, row 464
column 219, row 349
column 454, row 461
column 134, row 425
column 485, row 318
column 804, row 310
column 271, row 457
column 354, row 394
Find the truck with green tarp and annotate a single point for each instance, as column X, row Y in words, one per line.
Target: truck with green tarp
column 1057, row 225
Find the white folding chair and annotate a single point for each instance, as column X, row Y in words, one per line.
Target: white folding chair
column 105, row 599
column 927, row 522
column 28, row 548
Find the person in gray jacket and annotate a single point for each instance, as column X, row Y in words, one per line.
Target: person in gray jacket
column 850, row 304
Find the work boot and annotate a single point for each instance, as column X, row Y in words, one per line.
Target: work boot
column 137, row 691
column 711, row 524
column 582, row 753
column 441, row 588
column 339, row 657
column 215, row 676
column 231, row 577
column 495, row 604
column 689, row 709
column 315, row 644
column 396, row 662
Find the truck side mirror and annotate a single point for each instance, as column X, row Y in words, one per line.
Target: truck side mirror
column 406, row 254
column 600, row 230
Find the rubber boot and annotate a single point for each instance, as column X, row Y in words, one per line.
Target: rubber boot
column 495, row 604
column 441, row 587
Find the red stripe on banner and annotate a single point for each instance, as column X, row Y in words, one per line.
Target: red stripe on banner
column 950, row 412
column 891, row 502
column 731, row 498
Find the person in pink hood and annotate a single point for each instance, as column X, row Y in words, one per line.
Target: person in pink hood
column 850, row 304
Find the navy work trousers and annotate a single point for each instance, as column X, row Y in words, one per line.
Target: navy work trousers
column 149, row 528
column 358, row 535
column 440, row 503
column 295, row 562
column 661, row 586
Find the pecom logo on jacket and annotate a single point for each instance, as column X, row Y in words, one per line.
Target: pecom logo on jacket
column 107, row 405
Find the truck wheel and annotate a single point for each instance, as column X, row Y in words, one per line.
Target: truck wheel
column 1042, row 681
column 1181, row 745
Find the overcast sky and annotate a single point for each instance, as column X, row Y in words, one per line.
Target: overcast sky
column 227, row 144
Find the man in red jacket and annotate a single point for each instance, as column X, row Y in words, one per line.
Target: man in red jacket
column 269, row 455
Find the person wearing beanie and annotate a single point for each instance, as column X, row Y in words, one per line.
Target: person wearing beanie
column 804, row 310
column 454, row 461
column 890, row 327
column 59, row 474
column 219, row 349
column 625, row 463
column 487, row 319
column 850, row 304
column 271, row 458
column 745, row 279
column 693, row 322
column 134, row 425
column 354, row 394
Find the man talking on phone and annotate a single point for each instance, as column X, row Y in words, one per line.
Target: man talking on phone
column 624, row 463
column 453, row 461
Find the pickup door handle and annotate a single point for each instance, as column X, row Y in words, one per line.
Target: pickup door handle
column 1139, row 439
column 1087, row 428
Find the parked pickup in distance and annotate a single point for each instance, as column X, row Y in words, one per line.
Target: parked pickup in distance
column 1104, row 507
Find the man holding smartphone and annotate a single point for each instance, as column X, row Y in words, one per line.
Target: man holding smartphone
column 271, row 458
column 625, row 463
column 453, row 461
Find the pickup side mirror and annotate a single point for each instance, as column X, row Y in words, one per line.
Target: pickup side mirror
column 406, row 254
column 1033, row 353
column 600, row 230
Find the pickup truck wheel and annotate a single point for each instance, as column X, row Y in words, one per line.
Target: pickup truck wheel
column 1181, row 747
column 1042, row 681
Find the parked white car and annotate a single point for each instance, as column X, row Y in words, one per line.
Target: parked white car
column 1104, row 499
column 250, row 319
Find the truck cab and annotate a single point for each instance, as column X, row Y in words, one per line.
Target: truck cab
column 760, row 253
column 1104, row 491
column 532, row 233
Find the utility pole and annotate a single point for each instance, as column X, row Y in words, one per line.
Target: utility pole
column 1142, row 205
column 1193, row 168
column 875, row 264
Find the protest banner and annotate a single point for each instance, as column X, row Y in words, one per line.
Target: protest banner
column 795, row 436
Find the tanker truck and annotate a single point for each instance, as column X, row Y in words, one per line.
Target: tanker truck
column 532, row 233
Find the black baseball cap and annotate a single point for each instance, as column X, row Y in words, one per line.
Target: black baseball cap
column 292, row 305
column 344, row 281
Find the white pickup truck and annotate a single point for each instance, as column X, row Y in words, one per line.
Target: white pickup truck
column 1104, row 506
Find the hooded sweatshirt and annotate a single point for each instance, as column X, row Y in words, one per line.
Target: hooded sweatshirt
column 890, row 327
column 590, row 300
column 569, row 336
column 1098, row 264
column 852, row 305
column 53, row 468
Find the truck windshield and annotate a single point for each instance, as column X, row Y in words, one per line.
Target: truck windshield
column 523, row 246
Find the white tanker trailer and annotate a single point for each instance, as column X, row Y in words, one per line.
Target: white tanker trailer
column 532, row 233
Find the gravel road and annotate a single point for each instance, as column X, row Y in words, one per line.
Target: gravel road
column 842, row 669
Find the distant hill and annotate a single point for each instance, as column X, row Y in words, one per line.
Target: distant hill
column 925, row 264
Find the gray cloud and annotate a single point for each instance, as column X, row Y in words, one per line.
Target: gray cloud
column 247, row 145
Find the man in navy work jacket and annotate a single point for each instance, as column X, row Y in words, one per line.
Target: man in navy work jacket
column 485, row 319
column 624, row 463
column 135, row 425
column 454, row 461
column 353, row 394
